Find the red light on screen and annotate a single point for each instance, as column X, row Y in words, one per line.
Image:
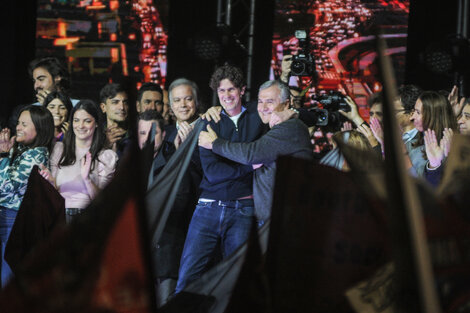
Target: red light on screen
column 65, row 41
column 61, row 29
column 114, row 55
column 113, row 37
column 131, row 36
column 377, row 87
column 114, row 5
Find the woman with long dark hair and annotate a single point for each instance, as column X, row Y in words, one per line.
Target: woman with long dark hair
column 434, row 118
column 79, row 165
column 30, row 146
column 60, row 105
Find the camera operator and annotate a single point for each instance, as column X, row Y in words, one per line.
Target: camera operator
column 361, row 125
column 286, row 72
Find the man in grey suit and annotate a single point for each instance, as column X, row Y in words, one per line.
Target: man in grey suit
column 290, row 137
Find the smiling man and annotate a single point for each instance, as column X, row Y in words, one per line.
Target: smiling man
column 114, row 103
column 150, row 97
column 290, row 137
column 225, row 209
column 48, row 75
column 183, row 95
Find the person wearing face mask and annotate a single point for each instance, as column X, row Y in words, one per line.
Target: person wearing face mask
column 30, row 146
column 80, row 167
column 59, row 104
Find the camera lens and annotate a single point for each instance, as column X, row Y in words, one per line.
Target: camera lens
column 297, row 67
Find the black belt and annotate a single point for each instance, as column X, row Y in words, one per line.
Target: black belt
column 74, row 211
column 231, row 203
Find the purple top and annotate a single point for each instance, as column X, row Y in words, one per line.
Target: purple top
column 69, row 179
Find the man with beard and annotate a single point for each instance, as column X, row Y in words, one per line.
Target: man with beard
column 114, row 103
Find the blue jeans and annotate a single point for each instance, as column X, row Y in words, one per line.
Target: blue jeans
column 227, row 221
column 7, row 218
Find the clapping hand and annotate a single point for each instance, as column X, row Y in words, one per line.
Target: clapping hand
column 113, row 135
column 453, row 98
column 6, row 142
column 377, row 130
column 46, row 173
column 434, row 151
column 184, row 129
column 85, row 165
column 446, row 140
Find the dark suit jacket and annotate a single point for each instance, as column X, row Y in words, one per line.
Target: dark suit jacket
column 168, row 251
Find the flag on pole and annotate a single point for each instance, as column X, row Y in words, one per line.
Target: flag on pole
column 326, row 235
column 42, row 209
column 411, row 254
column 99, row 263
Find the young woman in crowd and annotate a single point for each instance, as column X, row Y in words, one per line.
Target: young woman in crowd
column 59, row 104
column 79, row 165
column 30, row 146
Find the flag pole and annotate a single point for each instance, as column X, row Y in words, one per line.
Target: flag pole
column 414, row 268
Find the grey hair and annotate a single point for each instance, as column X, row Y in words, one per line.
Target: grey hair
column 187, row 82
column 283, row 88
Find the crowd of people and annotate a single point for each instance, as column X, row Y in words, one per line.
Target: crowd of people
column 77, row 144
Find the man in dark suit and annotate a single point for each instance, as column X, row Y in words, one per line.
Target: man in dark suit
column 167, row 251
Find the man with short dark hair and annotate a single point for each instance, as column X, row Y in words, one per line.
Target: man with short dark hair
column 150, row 97
column 225, row 209
column 114, row 103
column 48, row 74
column 290, row 137
column 145, row 122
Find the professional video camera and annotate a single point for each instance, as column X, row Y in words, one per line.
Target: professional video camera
column 328, row 116
column 332, row 101
column 303, row 63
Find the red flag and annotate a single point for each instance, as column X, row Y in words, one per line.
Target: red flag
column 123, row 282
column 99, row 263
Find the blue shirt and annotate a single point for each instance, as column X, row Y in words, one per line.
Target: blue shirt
column 225, row 179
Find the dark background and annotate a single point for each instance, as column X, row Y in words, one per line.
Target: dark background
column 429, row 22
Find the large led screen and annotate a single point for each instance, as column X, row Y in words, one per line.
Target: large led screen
column 340, row 35
column 101, row 41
